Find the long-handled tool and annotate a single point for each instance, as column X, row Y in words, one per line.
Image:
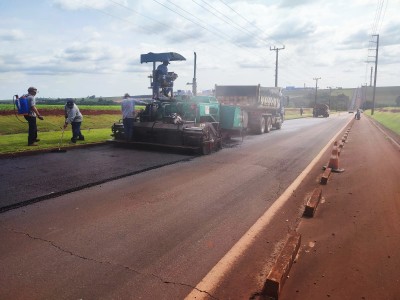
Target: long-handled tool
column 59, row 150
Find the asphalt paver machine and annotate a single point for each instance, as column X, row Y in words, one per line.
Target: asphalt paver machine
column 169, row 122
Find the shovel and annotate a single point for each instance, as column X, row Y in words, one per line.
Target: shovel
column 59, row 150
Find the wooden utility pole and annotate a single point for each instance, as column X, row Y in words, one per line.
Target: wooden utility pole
column 276, row 62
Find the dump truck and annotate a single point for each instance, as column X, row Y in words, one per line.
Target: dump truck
column 261, row 107
column 321, row 109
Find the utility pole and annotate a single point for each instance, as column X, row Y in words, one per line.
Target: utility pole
column 370, row 78
column 194, row 82
column 376, row 70
column 330, row 92
column 316, row 88
column 194, row 87
column 276, row 63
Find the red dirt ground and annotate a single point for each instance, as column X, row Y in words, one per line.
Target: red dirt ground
column 350, row 248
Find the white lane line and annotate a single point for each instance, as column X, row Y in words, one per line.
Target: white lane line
column 205, row 287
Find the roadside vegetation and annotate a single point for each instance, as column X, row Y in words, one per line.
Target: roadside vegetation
column 294, row 113
column 96, row 127
column 388, row 117
column 98, row 120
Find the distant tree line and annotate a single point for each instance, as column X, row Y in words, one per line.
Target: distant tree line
column 89, row 100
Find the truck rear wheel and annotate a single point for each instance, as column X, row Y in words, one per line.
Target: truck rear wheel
column 261, row 126
column 268, row 124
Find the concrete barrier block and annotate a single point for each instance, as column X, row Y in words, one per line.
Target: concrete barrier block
column 313, row 202
column 279, row 272
column 325, row 176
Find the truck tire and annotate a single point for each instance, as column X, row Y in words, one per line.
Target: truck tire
column 268, row 124
column 261, row 126
column 278, row 125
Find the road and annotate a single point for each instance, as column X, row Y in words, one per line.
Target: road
column 155, row 234
column 46, row 175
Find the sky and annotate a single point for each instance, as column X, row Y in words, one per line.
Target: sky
column 79, row 48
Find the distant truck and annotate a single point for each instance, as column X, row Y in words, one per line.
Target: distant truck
column 262, row 107
column 321, row 110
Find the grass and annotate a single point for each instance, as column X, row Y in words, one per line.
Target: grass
column 11, row 125
column 14, row 132
column 388, row 117
column 14, row 143
column 294, row 113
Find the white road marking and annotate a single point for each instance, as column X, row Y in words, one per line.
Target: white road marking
column 206, row 286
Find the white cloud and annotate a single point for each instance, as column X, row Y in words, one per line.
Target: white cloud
column 84, row 4
column 11, row 35
column 82, row 43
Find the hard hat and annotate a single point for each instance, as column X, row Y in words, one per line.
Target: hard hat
column 32, row 89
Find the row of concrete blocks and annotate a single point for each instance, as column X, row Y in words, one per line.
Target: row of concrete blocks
column 280, row 270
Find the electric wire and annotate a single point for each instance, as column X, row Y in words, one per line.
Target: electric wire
column 228, row 20
column 205, row 28
column 248, row 22
column 261, row 30
column 252, row 34
column 127, row 21
column 374, row 29
column 291, row 77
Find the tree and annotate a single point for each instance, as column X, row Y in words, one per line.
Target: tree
column 398, row 101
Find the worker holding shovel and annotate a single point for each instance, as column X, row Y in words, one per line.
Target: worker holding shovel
column 74, row 117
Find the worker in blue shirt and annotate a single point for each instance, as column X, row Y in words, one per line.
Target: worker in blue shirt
column 161, row 72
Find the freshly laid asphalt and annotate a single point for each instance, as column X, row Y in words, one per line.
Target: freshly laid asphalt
column 60, row 173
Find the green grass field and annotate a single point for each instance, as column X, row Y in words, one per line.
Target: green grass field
column 14, row 143
column 294, row 113
column 11, row 125
column 14, row 131
column 388, row 117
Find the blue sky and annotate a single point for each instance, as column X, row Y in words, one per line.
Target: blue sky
column 76, row 48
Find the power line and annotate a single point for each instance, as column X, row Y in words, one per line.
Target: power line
column 205, row 28
column 224, row 37
column 376, row 24
column 241, row 16
column 252, row 34
column 228, row 20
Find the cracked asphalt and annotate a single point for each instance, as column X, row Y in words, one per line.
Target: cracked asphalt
column 154, row 234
